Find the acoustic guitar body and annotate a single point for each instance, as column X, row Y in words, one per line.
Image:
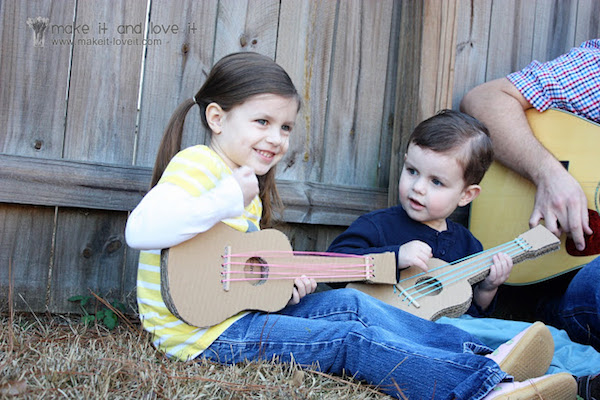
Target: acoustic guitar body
column 504, row 206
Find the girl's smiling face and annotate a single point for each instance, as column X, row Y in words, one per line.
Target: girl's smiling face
column 254, row 133
column 432, row 186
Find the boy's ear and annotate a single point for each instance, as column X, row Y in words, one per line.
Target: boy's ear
column 469, row 194
column 214, row 116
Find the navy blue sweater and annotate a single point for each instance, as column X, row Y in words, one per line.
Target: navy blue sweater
column 388, row 229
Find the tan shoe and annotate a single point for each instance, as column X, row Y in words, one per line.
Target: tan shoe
column 548, row 387
column 527, row 355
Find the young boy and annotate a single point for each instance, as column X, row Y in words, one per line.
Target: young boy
column 447, row 156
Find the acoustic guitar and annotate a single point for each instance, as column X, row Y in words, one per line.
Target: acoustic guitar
column 506, row 201
column 221, row 272
column 445, row 289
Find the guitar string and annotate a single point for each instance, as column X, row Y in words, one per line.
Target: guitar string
column 315, row 271
column 363, row 270
column 476, row 257
column 457, row 277
column 481, row 266
column 287, row 253
column 275, row 278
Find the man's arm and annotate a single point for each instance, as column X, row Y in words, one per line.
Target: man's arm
column 559, row 198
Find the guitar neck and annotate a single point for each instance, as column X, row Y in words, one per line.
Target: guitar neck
column 531, row 244
column 325, row 268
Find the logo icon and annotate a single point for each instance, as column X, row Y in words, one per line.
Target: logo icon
column 38, row 25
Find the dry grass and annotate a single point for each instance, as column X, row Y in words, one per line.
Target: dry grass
column 54, row 356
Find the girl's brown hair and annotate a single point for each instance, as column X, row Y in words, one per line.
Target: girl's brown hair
column 233, row 80
column 451, row 130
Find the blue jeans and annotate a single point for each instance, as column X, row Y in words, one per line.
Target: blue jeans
column 577, row 311
column 345, row 330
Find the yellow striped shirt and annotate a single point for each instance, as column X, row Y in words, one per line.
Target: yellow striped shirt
column 197, row 170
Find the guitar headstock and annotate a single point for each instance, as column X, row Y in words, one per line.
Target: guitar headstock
column 535, row 242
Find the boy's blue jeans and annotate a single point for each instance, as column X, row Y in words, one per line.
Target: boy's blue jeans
column 577, row 311
column 345, row 330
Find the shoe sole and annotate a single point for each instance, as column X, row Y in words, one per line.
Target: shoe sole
column 532, row 355
column 560, row 386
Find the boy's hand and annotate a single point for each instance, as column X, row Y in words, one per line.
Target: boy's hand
column 499, row 272
column 302, row 287
column 414, row 254
column 248, row 182
column 484, row 291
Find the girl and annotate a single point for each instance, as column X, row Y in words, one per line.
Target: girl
column 249, row 103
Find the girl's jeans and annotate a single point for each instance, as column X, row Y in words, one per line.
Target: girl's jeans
column 577, row 311
column 345, row 331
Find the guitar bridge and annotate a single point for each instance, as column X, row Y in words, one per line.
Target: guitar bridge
column 407, row 296
column 226, row 269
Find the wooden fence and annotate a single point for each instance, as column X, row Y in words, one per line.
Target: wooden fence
column 81, row 115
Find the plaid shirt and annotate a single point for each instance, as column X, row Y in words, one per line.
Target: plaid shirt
column 570, row 82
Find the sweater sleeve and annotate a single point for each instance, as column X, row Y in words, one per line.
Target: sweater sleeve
column 168, row 215
column 362, row 237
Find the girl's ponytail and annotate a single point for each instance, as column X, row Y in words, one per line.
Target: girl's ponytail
column 270, row 198
column 171, row 140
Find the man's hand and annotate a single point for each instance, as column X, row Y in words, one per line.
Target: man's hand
column 562, row 204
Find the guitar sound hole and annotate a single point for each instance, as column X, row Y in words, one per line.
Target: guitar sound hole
column 256, row 267
column 428, row 286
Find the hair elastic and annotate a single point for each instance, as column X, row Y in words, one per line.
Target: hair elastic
column 194, row 98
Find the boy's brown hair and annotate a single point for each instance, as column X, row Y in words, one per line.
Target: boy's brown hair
column 451, row 130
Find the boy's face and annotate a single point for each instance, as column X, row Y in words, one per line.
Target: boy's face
column 432, row 186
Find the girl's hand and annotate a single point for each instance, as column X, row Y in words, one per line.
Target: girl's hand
column 499, row 272
column 414, row 254
column 248, row 182
column 302, row 287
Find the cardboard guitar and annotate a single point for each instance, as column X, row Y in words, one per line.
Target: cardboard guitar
column 506, row 201
column 221, row 272
column 445, row 289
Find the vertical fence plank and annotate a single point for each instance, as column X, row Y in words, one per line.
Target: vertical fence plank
column 588, row 21
column 511, row 37
column 247, row 25
column 102, row 105
column 471, row 46
column 176, row 66
column 407, row 88
column 304, row 47
column 388, row 130
column 437, row 50
column 554, row 29
column 354, row 115
column 34, row 78
column 25, row 244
